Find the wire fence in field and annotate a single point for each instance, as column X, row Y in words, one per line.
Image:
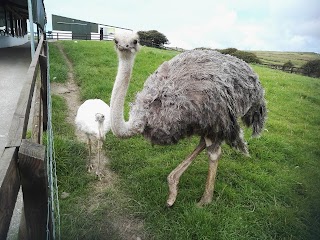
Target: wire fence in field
column 53, row 219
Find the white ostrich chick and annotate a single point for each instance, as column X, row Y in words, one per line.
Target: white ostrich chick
column 93, row 119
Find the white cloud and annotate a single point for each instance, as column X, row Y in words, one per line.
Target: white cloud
column 207, row 33
column 287, row 26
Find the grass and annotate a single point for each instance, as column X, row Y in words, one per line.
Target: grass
column 279, row 58
column 58, row 68
column 274, row 194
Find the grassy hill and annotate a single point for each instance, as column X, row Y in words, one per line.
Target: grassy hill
column 279, row 58
column 274, row 194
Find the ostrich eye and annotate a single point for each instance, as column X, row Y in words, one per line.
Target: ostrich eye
column 135, row 41
column 116, row 41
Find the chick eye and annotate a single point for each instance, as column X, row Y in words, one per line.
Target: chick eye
column 116, row 41
column 135, row 41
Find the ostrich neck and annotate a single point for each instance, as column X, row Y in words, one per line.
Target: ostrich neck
column 119, row 126
column 100, row 130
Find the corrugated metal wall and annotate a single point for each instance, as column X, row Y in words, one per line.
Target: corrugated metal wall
column 80, row 29
column 39, row 14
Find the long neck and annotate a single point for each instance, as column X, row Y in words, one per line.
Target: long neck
column 119, row 126
column 100, row 130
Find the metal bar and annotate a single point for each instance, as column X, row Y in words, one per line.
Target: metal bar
column 31, row 28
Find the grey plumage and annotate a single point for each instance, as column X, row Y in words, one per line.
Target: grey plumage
column 198, row 92
column 201, row 92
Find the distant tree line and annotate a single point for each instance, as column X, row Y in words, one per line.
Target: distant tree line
column 245, row 56
column 153, row 38
column 311, row 68
column 248, row 57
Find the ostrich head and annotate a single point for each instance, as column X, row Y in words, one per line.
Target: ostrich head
column 126, row 43
column 99, row 117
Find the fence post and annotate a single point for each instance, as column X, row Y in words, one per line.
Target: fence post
column 101, row 34
column 9, row 188
column 34, row 188
column 44, row 71
column 45, row 45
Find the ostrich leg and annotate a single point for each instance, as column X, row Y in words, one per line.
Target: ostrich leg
column 214, row 152
column 174, row 176
column 90, row 166
column 98, row 173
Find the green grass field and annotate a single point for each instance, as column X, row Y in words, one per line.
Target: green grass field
column 274, row 194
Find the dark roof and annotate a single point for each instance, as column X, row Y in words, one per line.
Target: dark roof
column 19, row 10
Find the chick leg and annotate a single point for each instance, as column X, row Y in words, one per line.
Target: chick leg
column 98, row 172
column 90, row 165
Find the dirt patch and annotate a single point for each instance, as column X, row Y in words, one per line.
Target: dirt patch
column 127, row 226
column 70, row 92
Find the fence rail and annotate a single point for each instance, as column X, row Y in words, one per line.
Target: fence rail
column 99, row 36
column 24, row 159
column 78, row 36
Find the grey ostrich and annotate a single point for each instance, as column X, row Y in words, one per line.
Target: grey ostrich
column 198, row 92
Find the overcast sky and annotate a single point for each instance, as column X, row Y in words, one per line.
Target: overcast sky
column 274, row 25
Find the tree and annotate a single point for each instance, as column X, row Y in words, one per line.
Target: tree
column 152, row 38
column 287, row 65
column 248, row 57
column 312, row 68
column 228, row 51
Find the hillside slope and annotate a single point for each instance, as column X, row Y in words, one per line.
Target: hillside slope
column 274, row 194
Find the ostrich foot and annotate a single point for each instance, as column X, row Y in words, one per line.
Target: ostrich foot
column 205, row 200
column 99, row 175
column 172, row 196
column 90, row 167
